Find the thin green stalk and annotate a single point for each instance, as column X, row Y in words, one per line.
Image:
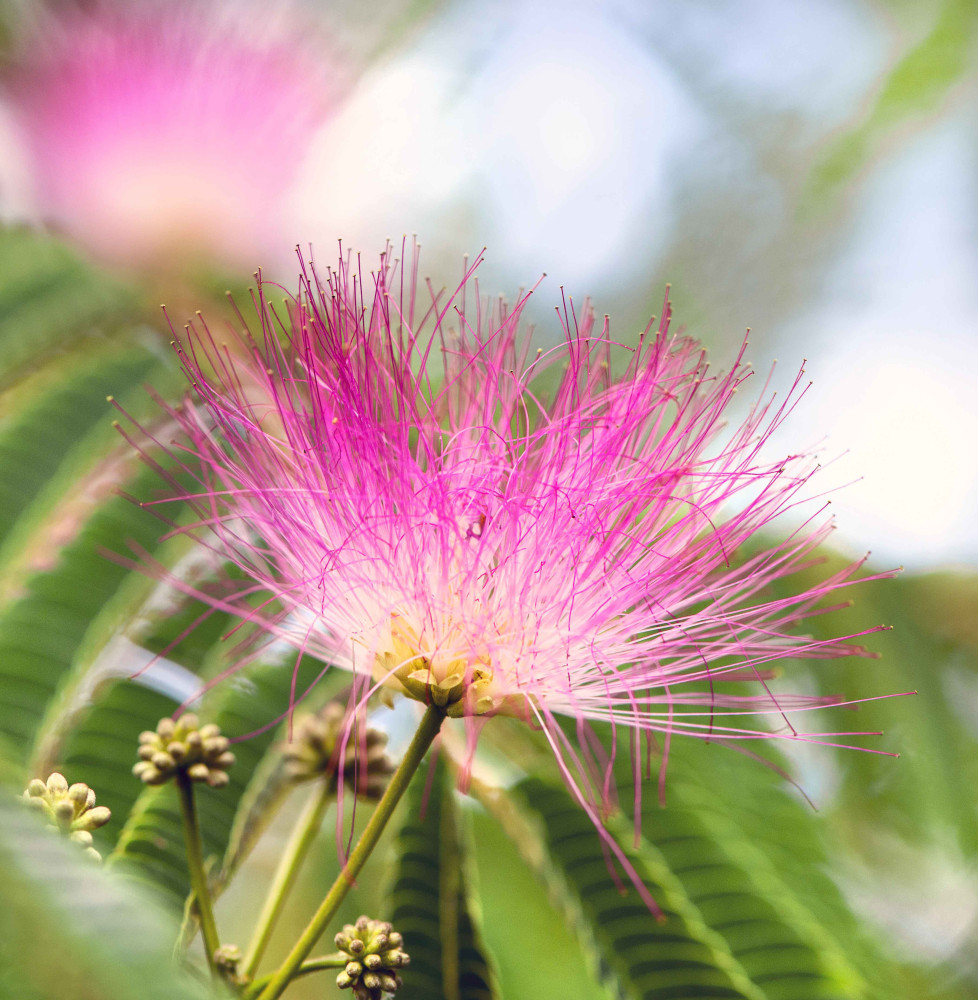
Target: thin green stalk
column 449, row 885
column 286, row 873
column 195, row 862
column 338, row 960
column 400, row 779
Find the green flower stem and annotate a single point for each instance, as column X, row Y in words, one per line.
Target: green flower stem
column 401, row 778
column 338, row 960
column 195, row 862
column 450, row 883
column 287, row 872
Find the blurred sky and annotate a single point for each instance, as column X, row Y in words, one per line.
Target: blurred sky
column 621, row 146
column 618, row 147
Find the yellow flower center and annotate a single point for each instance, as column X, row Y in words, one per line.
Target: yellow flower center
column 461, row 685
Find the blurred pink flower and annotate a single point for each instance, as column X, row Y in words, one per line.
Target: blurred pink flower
column 166, row 133
column 431, row 505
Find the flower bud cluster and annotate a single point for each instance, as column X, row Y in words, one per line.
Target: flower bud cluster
column 375, row 956
column 69, row 808
column 315, row 751
column 200, row 752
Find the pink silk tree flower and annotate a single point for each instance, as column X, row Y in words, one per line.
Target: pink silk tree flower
column 165, row 134
column 427, row 503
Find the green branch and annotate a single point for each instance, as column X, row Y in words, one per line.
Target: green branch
column 286, row 873
column 423, row 738
column 338, row 960
column 195, row 862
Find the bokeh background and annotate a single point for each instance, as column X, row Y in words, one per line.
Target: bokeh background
column 804, row 168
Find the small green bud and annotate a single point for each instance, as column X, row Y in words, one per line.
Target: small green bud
column 147, row 773
column 198, row 772
column 64, row 811
column 80, row 794
column 92, row 818
column 218, row 779
column 317, row 751
column 57, row 785
column 216, row 744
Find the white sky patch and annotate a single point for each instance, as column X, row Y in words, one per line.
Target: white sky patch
column 386, row 164
column 911, row 425
column 549, row 139
column 582, row 126
column 817, row 58
column 893, row 352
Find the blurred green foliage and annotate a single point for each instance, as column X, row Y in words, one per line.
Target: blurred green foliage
column 917, row 86
column 764, row 898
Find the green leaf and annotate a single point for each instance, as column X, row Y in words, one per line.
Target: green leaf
column 150, row 846
column 93, row 725
column 49, row 298
column 61, row 463
column 57, row 446
column 42, row 631
column 737, row 863
column 537, row 951
column 72, row 931
column 260, row 802
column 750, row 856
column 682, row 956
column 100, row 747
column 899, row 820
column 917, row 86
column 430, row 902
column 931, row 650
